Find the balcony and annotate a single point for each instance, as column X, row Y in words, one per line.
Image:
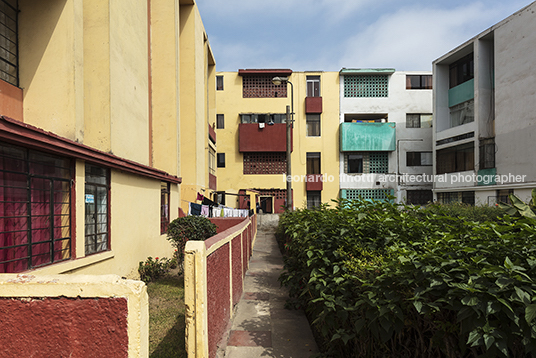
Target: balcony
column 314, row 182
column 357, row 137
column 212, row 134
column 313, row 104
column 263, row 137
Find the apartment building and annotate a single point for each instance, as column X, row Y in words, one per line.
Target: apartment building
column 385, row 135
column 484, row 120
column 251, row 125
column 104, row 130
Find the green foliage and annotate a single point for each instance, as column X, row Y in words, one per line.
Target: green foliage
column 519, row 208
column 381, row 279
column 151, row 270
column 187, row 228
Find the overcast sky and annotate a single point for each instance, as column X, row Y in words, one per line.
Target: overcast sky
column 310, row 35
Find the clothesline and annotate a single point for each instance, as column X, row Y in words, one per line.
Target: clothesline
column 215, row 212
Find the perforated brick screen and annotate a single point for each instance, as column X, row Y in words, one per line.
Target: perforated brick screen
column 261, row 86
column 366, row 86
column 367, row 194
column 265, row 163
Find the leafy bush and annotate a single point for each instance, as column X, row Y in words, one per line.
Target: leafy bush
column 380, row 279
column 187, row 228
column 151, row 270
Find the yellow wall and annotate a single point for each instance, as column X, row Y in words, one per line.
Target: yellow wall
column 90, row 73
column 231, row 104
column 197, row 81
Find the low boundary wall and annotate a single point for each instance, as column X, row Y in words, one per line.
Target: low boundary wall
column 73, row 316
column 214, row 273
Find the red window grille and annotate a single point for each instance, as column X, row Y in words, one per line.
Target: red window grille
column 261, row 86
column 276, row 193
column 265, row 163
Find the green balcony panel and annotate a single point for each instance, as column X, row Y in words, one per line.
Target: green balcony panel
column 486, row 176
column 357, row 137
column 462, row 93
column 367, row 194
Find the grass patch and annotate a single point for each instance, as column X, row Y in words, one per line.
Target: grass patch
column 166, row 317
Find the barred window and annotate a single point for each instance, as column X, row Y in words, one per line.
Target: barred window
column 35, row 209
column 366, row 163
column 366, row 86
column 312, row 124
column 265, row 163
column 419, row 197
column 261, row 86
column 97, row 209
column 8, row 41
column 164, row 207
column 314, row 199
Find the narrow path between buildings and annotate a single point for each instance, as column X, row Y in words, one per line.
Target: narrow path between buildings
column 261, row 326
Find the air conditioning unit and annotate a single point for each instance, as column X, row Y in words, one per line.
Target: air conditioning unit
column 261, row 125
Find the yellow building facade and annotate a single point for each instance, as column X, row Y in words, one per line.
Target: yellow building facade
column 105, row 112
column 251, row 130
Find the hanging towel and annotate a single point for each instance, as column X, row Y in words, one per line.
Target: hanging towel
column 204, row 210
column 195, row 209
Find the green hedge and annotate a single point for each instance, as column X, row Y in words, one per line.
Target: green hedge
column 387, row 280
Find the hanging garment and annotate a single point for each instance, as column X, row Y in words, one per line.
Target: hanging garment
column 195, row 209
column 204, row 210
column 199, row 196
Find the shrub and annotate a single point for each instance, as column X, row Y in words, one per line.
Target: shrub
column 380, row 279
column 187, row 228
column 151, row 270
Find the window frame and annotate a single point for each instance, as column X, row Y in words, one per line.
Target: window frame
column 105, row 245
column 219, row 83
column 22, row 170
column 416, row 159
column 11, row 77
column 462, row 70
column 220, row 160
column 312, row 86
column 220, row 121
column 313, row 163
column 415, row 120
column 425, row 82
column 312, row 125
column 314, row 199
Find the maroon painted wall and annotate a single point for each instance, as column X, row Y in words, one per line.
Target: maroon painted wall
column 218, row 296
column 313, row 104
column 271, row 138
column 236, row 251
column 225, row 223
column 63, row 327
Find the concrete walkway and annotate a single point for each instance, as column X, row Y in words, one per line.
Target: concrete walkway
column 261, row 326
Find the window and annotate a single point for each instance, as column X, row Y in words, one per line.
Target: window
column 221, row 160
column 354, row 164
column 456, row 159
column 96, row 211
column 366, row 86
column 465, row 197
column 416, row 159
column 503, row 196
column 418, row 81
column 461, row 71
column 312, row 125
column 265, row 163
column 219, row 83
column 261, row 86
column 220, row 121
column 211, row 161
column 368, row 194
column 313, row 163
column 269, row 118
column 487, row 153
column 418, row 120
column 366, row 163
column 462, row 113
column 314, row 199
column 9, row 42
column 35, row 209
column 164, row 207
column 419, row 197
column 313, row 86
